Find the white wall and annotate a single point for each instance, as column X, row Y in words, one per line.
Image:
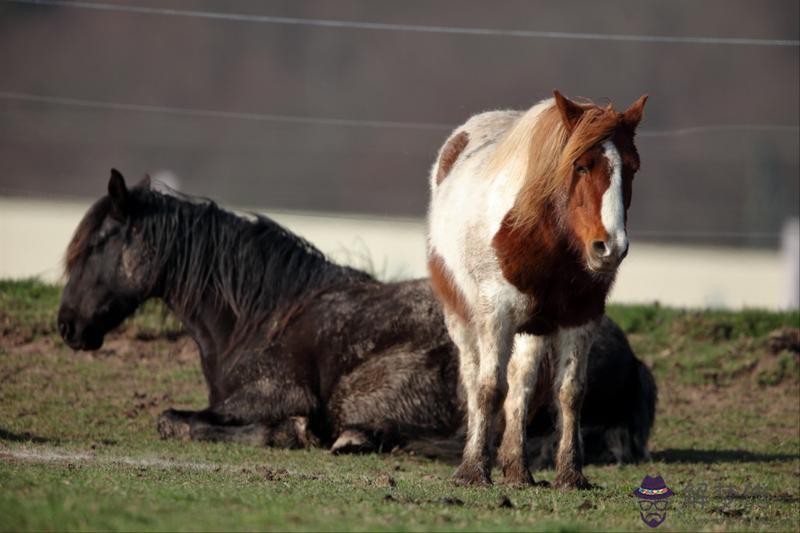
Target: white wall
column 34, row 234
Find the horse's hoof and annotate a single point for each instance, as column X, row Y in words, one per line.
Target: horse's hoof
column 517, row 475
column 473, row 475
column 352, row 441
column 305, row 437
column 172, row 426
column 571, row 481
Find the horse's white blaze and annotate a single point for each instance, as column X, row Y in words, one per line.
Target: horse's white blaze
column 612, row 208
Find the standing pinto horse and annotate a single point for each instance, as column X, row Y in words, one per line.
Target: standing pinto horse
column 527, row 228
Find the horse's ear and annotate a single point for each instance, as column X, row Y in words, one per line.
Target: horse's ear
column 118, row 192
column 570, row 111
column 633, row 115
column 144, row 183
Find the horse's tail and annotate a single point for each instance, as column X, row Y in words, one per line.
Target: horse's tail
column 627, row 443
column 644, row 416
column 626, row 440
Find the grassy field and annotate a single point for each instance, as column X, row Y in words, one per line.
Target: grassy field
column 79, row 450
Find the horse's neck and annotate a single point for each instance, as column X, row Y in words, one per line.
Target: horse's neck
column 528, row 254
column 218, row 317
column 207, row 319
column 210, row 325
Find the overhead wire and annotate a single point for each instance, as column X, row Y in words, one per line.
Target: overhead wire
column 328, row 121
column 415, row 28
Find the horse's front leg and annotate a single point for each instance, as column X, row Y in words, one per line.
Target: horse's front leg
column 523, row 372
column 572, row 349
column 175, row 424
column 495, row 339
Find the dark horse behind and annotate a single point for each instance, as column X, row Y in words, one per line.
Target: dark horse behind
column 299, row 351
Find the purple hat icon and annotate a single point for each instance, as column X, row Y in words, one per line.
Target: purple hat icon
column 653, row 488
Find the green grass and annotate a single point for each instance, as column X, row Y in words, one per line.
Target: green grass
column 708, row 346
column 79, row 450
column 29, row 306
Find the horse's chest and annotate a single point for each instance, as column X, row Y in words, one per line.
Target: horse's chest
column 562, row 304
column 560, row 292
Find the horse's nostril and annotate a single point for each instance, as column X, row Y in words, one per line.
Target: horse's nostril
column 624, row 253
column 599, row 248
column 65, row 328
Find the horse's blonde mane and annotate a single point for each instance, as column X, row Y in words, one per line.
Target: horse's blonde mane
column 539, row 150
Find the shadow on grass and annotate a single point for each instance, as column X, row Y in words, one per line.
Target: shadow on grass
column 672, row 455
column 25, row 437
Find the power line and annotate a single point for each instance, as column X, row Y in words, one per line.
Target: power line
column 291, row 119
column 323, row 121
column 385, row 26
column 721, row 128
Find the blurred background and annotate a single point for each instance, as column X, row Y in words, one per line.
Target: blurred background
column 327, row 116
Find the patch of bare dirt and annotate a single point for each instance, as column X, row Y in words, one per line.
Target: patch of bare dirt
column 122, row 377
column 767, row 414
column 712, row 397
column 126, row 344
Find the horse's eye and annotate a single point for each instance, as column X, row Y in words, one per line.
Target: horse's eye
column 580, row 169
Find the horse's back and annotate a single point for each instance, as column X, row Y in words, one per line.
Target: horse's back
column 472, row 138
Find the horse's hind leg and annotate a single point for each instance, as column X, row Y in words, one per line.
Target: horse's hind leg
column 523, row 371
column 352, row 440
column 572, row 347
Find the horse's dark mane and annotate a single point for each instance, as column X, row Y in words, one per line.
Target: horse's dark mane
column 254, row 266
column 85, row 233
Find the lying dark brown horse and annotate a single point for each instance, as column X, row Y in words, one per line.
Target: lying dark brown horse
column 297, row 350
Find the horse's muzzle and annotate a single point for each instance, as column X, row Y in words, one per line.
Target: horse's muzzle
column 75, row 336
column 605, row 257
